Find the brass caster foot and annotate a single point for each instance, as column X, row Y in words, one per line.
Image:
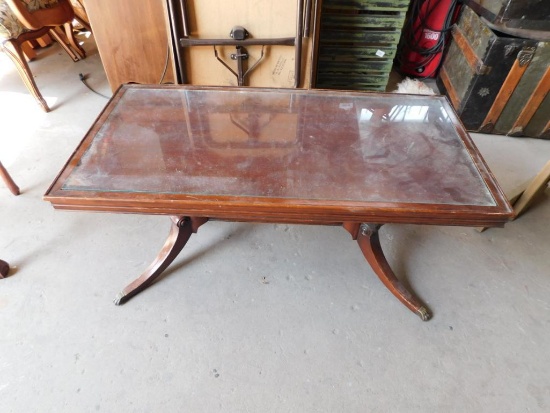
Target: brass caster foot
column 4, row 269
column 120, row 298
column 423, row 313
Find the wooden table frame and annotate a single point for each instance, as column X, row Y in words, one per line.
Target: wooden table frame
column 189, row 211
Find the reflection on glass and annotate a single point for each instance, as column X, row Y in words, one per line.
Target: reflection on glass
column 281, row 144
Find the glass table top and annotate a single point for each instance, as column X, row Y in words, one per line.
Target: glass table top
column 289, row 144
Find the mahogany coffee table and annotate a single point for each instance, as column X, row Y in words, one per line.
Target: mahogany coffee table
column 358, row 160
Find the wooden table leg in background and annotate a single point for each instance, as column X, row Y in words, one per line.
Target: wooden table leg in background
column 4, row 269
column 369, row 242
column 8, row 180
column 181, row 230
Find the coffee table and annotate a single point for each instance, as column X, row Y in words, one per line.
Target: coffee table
column 358, row 160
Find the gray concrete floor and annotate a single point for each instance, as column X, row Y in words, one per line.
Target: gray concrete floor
column 255, row 318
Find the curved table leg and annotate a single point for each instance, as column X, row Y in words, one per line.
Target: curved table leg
column 369, row 242
column 180, row 232
column 4, row 269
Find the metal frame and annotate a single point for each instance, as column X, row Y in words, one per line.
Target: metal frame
column 179, row 21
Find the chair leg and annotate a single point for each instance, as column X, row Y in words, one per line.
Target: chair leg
column 15, row 53
column 82, row 22
column 72, row 41
column 63, row 44
column 8, row 180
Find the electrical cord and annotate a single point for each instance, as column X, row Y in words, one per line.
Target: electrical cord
column 83, row 80
column 165, row 69
column 167, row 58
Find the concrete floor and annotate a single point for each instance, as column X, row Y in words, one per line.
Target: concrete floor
column 255, row 318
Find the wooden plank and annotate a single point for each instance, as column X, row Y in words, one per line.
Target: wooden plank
column 523, row 196
column 508, row 87
column 532, row 104
column 512, row 195
column 536, row 187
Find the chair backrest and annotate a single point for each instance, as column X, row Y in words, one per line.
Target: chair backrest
column 10, row 26
column 20, row 16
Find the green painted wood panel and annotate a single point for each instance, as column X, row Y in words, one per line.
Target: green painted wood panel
column 354, row 53
column 371, row 79
column 389, row 38
column 386, row 5
column 364, row 21
column 358, row 42
column 357, row 67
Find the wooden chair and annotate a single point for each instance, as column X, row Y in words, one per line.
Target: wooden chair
column 80, row 14
column 25, row 20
